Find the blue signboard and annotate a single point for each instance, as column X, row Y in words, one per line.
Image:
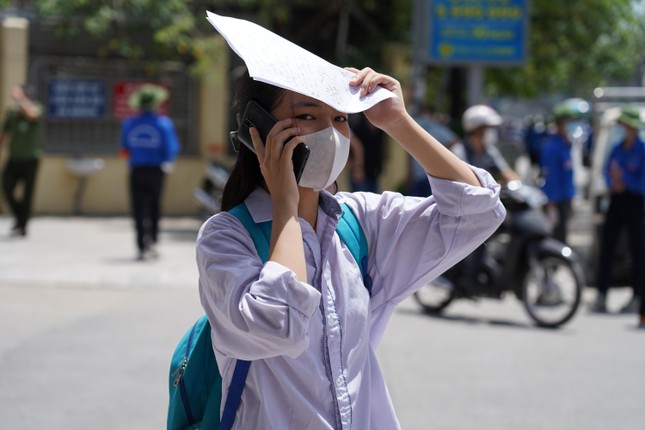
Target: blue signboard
column 76, row 98
column 477, row 31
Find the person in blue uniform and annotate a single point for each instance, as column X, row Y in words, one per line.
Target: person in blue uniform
column 625, row 178
column 150, row 142
column 557, row 170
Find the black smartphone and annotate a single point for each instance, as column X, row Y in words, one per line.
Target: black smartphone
column 258, row 117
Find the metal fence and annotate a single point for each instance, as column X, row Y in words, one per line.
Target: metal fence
column 97, row 132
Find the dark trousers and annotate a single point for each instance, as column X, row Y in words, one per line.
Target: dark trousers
column 146, row 184
column 562, row 228
column 626, row 211
column 18, row 172
column 474, row 263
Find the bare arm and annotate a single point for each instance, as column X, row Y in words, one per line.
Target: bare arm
column 26, row 106
column 277, row 169
column 510, row 175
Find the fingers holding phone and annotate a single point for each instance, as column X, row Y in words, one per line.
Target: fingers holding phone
column 275, row 158
column 255, row 116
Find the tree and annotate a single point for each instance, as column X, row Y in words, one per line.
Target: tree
column 348, row 32
column 575, row 46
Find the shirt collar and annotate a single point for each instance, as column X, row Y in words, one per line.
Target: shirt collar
column 259, row 205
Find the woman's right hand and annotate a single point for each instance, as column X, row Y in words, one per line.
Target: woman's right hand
column 276, row 164
column 387, row 112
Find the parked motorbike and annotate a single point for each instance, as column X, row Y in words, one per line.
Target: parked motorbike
column 209, row 194
column 522, row 258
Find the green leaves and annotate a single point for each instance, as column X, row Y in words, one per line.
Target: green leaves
column 574, row 46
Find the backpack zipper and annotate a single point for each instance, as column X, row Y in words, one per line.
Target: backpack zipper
column 180, row 372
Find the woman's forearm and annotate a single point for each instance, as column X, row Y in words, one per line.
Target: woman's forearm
column 286, row 244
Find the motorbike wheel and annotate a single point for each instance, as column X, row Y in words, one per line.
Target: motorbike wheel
column 551, row 291
column 436, row 295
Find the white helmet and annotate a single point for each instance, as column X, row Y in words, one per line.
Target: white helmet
column 480, row 116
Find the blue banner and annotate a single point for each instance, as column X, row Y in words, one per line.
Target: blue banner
column 76, row 98
column 477, row 31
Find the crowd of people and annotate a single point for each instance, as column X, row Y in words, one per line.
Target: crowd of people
column 548, row 146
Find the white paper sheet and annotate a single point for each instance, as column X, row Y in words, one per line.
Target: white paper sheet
column 274, row 60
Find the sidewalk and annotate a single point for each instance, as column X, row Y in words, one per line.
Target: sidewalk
column 93, row 252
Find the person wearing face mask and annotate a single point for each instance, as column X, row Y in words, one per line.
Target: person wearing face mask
column 304, row 319
column 556, row 168
column 480, row 124
column 625, row 178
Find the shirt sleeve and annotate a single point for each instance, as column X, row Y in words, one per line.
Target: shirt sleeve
column 551, row 163
column 605, row 170
column 256, row 310
column 413, row 240
column 124, row 134
column 171, row 139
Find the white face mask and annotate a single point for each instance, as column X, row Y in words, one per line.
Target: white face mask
column 491, row 136
column 329, row 154
column 621, row 133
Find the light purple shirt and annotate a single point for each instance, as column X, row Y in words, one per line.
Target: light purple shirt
column 312, row 345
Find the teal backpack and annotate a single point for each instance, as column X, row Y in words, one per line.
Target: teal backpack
column 195, row 383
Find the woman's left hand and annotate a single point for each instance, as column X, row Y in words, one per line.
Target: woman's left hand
column 388, row 112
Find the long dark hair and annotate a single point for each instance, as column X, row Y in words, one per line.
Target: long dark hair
column 246, row 174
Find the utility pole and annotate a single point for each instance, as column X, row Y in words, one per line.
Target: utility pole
column 418, row 69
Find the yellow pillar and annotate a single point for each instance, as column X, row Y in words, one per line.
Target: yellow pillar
column 214, row 101
column 395, row 170
column 14, row 42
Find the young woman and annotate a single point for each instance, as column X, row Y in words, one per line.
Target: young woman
column 304, row 319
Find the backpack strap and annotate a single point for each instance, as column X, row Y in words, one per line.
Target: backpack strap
column 234, row 394
column 350, row 232
column 260, row 233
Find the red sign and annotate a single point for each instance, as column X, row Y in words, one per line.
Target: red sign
column 121, row 101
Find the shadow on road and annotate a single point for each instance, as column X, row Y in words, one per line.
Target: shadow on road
column 478, row 320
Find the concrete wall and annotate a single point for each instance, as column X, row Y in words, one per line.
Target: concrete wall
column 14, row 44
column 106, row 192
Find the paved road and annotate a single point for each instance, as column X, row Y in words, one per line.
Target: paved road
column 86, row 335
